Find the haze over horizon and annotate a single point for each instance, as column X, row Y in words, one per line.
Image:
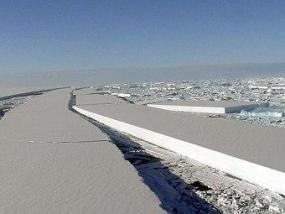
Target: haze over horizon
column 132, row 74
column 68, row 42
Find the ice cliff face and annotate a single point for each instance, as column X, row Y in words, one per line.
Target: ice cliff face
column 272, row 111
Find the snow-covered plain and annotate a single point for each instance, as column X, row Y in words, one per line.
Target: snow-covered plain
column 52, row 161
column 239, row 149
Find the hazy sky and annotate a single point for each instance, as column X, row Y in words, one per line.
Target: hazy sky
column 65, row 34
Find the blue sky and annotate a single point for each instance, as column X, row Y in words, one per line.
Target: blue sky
column 55, row 35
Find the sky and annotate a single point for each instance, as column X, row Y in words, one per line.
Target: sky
column 61, row 35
